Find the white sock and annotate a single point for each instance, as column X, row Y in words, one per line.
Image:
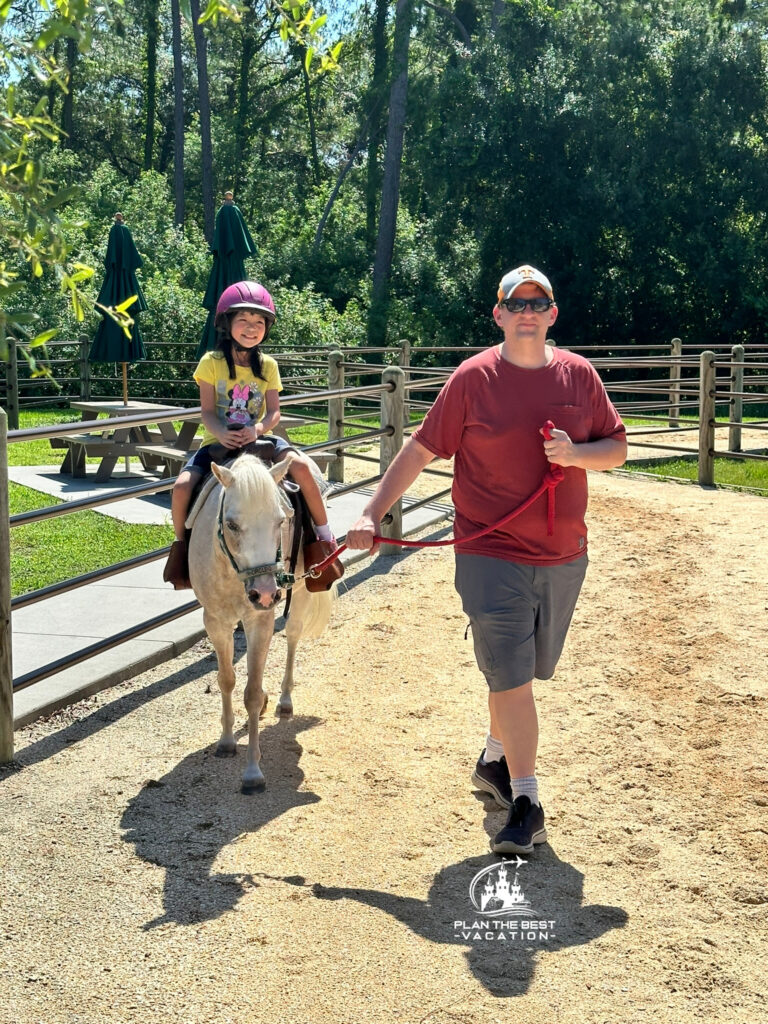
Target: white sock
column 494, row 751
column 527, row 786
column 324, row 532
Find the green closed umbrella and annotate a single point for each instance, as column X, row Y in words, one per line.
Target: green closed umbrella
column 112, row 344
column 232, row 243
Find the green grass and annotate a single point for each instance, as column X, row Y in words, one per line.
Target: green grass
column 741, row 474
column 737, row 473
column 58, row 549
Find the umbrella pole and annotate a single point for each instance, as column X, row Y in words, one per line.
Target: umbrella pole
column 125, row 402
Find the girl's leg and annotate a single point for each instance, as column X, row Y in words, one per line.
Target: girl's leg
column 301, row 473
column 182, row 491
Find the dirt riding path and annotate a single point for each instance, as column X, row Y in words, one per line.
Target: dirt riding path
column 140, row 886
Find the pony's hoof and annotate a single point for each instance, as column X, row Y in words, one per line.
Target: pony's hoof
column 264, row 706
column 253, row 785
column 284, row 710
column 226, row 751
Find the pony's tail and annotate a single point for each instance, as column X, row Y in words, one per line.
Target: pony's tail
column 318, row 613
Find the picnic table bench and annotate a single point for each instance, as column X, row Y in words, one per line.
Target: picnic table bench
column 171, row 458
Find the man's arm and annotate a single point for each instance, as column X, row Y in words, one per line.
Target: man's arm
column 409, row 462
column 607, row 453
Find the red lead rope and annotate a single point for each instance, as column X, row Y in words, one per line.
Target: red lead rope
column 551, row 479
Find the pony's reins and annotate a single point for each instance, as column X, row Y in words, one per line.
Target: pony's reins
column 551, row 479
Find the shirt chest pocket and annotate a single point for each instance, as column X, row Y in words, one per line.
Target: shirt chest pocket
column 575, row 420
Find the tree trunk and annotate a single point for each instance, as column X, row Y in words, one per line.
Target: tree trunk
column 204, row 99
column 373, row 178
column 178, row 118
column 246, row 56
column 53, row 89
column 310, row 117
column 152, row 28
column 68, row 106
column 390, row 189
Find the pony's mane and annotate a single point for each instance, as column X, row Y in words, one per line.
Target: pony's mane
column 254, row 479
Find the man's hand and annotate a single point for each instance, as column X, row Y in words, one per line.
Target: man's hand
column 605, row 453
column 559, row 449
column 360, row 535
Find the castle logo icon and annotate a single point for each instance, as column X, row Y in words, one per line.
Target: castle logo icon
column 494, row 893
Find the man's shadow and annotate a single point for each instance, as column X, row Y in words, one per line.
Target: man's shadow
column 183, row 821
column 504, row 966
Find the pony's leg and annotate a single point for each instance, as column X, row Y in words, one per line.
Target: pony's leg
column 221, row 635
column 259, row 630
column 294, row 629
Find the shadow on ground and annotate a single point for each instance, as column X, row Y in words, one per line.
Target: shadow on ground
column 504, row 966
column 181, row 823
column 106, row 714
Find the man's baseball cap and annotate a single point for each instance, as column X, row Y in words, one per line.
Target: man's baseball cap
column 523, row 275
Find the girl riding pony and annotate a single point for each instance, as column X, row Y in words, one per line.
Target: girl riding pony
column 239, row 398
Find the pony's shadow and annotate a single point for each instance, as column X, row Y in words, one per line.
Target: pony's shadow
column 182, row 821
column 504, row 966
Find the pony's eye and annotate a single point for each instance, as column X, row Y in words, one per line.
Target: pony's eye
column 232, row 526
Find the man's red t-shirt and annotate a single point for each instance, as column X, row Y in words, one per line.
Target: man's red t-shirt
column 488, row 416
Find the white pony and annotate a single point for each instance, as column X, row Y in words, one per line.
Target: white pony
column 240, row 541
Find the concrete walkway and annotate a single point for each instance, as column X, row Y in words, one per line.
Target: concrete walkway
column 60, row 626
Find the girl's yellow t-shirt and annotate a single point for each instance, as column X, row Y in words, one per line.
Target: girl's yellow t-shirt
column 239, row 400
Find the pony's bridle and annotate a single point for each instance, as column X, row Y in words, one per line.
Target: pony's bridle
column 276, row 568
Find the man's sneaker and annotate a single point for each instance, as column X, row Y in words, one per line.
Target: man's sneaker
column 524, row 828
column 493, row 777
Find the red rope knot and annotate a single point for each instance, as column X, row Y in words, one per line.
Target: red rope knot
column 552, row 478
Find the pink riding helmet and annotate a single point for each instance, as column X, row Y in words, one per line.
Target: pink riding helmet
column 246, row 295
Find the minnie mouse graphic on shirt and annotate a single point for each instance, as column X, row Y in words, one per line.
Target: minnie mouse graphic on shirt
column 241, row 396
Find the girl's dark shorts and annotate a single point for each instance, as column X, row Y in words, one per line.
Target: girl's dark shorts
column 202, row 459
column 519, row 615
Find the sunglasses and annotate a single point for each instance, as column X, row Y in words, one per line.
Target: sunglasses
column 538, row 305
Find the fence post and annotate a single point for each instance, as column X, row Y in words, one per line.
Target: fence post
column 737, row 402
column 404, row 361
column 85, row 369
column 336, row 413
column 707, row 419
column 676, row 351
column 392, row 416
column 13, row 385
column 6, row 666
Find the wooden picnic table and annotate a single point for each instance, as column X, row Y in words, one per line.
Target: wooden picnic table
column 148, row 441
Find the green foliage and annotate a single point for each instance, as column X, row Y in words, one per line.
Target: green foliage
column 620, row 145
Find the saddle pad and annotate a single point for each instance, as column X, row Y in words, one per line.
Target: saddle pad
column 202, row 495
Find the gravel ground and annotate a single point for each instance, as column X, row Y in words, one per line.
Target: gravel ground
column 139, row 885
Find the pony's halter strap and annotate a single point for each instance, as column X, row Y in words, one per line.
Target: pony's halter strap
column 276, row 568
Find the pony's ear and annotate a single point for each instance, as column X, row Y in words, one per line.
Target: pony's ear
column 222, row 474
column 278, row 471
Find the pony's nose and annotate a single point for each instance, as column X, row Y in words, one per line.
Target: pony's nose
column 265, row 595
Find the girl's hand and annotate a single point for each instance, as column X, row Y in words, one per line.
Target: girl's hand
column 230, row 439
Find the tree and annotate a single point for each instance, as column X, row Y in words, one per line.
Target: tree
column 152, row 31
column 390, row 190
column 178, row 115
column 204, row 101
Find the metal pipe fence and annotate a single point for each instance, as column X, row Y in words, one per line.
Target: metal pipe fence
column 684, row 403
column 391, row 394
